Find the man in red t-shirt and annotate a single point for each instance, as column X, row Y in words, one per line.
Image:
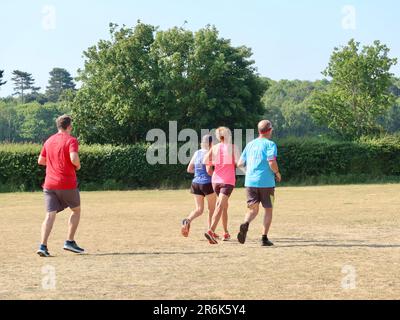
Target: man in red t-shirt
column 60, row 156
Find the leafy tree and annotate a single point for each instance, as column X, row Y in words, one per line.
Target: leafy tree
column 359, row 92
column 30, row 122
column 395, row 87
column 392, row 123
column 205, row 81
column 9, row 123
column 2, row 83
column 36, row 96
column 38, row 121
column 286, row 106
column 142, row 78
column 23, row 82
column 391, row 120
column 60, row 80
column 117, row 87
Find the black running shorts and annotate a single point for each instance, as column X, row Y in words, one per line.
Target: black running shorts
column 202, row 189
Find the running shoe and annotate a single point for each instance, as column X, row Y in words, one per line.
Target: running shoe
column 244, row 228
column 211, row 237
column 73, row 247
column 265, row 242
column 43, row 251
column 227, row 237
column 185, row 227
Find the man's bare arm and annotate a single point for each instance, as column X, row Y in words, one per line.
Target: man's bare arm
column 42, row 161
column 75, row 160
column 273, row 164
column 241, row 164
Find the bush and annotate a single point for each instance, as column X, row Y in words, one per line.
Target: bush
column 302, row 162
column 376, row 158
column 19, row 170
column 103, row 168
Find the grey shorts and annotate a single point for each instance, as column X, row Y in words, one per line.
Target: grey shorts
column 264, row 195
column 59, row 200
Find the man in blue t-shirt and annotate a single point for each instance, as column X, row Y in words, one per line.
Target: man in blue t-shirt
column 262, row 171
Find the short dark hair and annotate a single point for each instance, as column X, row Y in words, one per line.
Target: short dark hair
column 63, row 122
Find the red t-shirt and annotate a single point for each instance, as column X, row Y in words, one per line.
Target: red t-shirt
column 60, row 172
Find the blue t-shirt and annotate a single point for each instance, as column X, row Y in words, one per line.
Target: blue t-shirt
column 256, row 157
column 200, row 171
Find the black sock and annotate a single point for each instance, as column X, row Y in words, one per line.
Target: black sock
column 265, row 237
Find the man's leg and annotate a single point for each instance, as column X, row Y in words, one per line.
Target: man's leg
column 252, row 213
column 268, row 199
column 47, row 226
column 253, row 203
column 73, row 223
column 267, row 221
column 267, row 225
column 250, row 216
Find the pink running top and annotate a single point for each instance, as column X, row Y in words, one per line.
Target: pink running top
column 224, row 165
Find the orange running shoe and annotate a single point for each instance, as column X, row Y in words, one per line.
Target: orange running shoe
column 210, row 237
column 227, row 237
column 185, row 228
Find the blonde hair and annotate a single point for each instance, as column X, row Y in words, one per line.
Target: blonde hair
column 223, row 134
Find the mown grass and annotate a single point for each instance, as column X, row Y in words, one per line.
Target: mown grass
column 135, row 250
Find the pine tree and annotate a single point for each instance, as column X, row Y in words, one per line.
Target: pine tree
column 1, row 78
column 60, row 80
column 23, row 82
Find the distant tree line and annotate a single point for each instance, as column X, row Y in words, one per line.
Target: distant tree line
column 288, row 102
column 25, row 90
column 28, row 115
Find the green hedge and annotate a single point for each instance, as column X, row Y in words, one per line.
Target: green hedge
column 103, row 167
column 125, row 167
column 377, row 158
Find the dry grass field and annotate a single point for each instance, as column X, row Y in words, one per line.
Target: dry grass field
column 135, row 250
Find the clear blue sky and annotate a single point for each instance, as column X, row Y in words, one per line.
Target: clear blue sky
column 291, row 39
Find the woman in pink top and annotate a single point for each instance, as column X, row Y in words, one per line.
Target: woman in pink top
column 223, row 157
